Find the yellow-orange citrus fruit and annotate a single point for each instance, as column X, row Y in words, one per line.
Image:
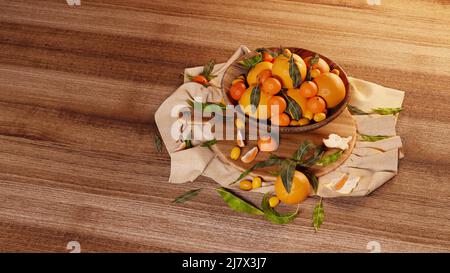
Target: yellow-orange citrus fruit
column 322, row 65
column 252, row 76
column 331, row 88
column 280, row 69
column 262, row 111
column 300, row 189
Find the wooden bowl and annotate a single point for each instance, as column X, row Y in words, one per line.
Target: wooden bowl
column 235, row 69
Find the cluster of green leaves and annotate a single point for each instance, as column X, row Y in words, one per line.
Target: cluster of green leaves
column 329, row 159
column 207, row 70
column 251, row 61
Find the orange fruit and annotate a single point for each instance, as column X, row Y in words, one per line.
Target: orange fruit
column 264, row 75
column 271, row 86
column 282, row 119
column 315, row 73
column 322, row 65
column 267, row 57
column 316, row 105
column 267, row 144
column 335, row 71
column 331, row 88
column 280, row 69
column 308, row 89
column 200, row 79
column 300, row 189
column 237, row 89
column 277, row 101
column 250, row 155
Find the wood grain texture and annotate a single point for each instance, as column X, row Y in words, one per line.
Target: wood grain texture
column 79, row 87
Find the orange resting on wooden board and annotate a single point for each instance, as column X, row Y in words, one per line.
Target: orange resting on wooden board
column 300, row 189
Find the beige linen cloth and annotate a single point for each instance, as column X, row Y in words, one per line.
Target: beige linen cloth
column 372, row 163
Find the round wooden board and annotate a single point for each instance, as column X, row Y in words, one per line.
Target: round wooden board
column 344, row 125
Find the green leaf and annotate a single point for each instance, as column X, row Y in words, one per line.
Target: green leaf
column 314, row 60
column 294, row 72
column 328, row 159
column 206, row 106
column 313, row 181
column 207, row 70
column 274, row 173
column 287, row 174
column 387, row 111
column 318, row 152
column 251, row 61
column 188, row 143
column 355, row 110
column 303, row 150
column 238, row 204
column 293, row 108
column 273, row 160
column 255, row 96
column 209, row 143
column 262, row 49
column 318, row 215
column 158, row 143
column 274, row 216
column 373, row 138
column 186, row 196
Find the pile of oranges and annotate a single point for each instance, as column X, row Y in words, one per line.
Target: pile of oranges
column 317, row 90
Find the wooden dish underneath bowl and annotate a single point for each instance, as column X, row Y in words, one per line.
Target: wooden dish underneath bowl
column 235, row 69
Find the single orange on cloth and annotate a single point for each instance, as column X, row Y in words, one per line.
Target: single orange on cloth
column 322, row 65
column 200, row 79
column 300, row 189
column 271, row 86
column 277, row 101
column 237, row 89
column 308, row 89
column 282, row 119
column 331, row 88
column 316, row 105
column 264, row 75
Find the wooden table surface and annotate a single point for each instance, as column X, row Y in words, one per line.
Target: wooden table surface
column 79, row 87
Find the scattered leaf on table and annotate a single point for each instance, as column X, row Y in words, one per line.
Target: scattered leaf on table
column 274, row 216
column 238, row 204
column 373, row 138
column 186, row 196
column 158, row 143
column 318, row 215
